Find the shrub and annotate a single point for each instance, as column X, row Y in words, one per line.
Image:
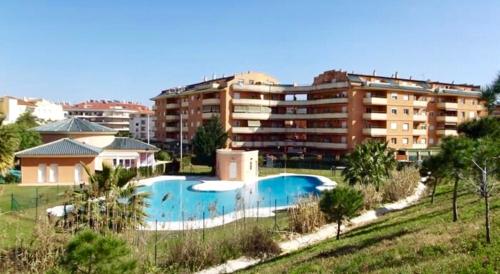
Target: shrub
column 372, row 197
column 306, row 215
column 89, row 252
column 163, row 155
column 258, row 243
column 401, row 184
column 190, row 252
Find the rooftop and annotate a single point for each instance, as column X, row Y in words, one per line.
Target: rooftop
column 74, row 125
column 63, row 147
column 126, row 143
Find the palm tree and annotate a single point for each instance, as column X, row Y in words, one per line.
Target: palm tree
column 110, row 200
column 341, row 203
column 369, row 163
column 434, row 166
column 457, row 151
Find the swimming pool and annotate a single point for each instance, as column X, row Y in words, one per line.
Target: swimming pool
column 175, row 200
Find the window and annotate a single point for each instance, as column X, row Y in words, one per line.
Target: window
column 394, row 141
column 251, row 82
column 406, row 111
column 394, row 110
column 236, row 95
column 472, row 114
column 405, row 141
column 423, row 141
column 431, row 127
column 463, row 114
column 406, row 126
column 394, row 96
column 406, row 97
column 394, row 125
column 431, row 141
column 431, row 113
column 42, row 169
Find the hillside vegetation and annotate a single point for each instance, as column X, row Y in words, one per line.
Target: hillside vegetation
column 419, row 239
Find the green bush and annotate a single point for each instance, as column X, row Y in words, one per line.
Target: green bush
column 89, row 252
column 163, row 155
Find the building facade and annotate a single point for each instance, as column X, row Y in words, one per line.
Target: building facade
column 142, row 126
column 327, row 119
column 113, row 114
column 43, row 110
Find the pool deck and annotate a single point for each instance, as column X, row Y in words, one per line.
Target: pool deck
column 209, row 184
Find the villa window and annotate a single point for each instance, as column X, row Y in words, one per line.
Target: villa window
column 394, row 111
column 394, row 141
column 53, row 173
column 406, row 97
column 394, row 125
column 406, row 111
column 405, row 141
column 394, row 96
column 42, row 169
column 406, row 126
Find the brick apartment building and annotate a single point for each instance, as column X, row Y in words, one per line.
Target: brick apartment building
column 328, row 118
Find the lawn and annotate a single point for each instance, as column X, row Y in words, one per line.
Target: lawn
column 420, row 239
column 18, row 224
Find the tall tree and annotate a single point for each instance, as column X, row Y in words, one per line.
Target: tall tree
column 9, row 142
column 434, row 165
column 341, row 203
column 27, row 120
column 486, row 126
column 457, row 151
column 486, row 171
column 209, row 137
column 490, row 94
column 369, row 163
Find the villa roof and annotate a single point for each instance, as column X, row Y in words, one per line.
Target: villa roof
column 126, row 143
column 61, row 147
column 74, row 125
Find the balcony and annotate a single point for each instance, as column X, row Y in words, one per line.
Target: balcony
column 375, row 101
column 172, row 106
column 447, row 119
column 185, row 104
column 252, row 130
column 208, row 115
column 447, row 106
column 272, row 116
column 419, row 146
column 274, row 103
column 447, row 132
column 419, row 118
column 375, row 116
column 171, row 117
column 325, row 145
column 419, row 104
column 210, row 101
column 171, row 129
column 419, row 132
column 184, row 129
column 375, row 131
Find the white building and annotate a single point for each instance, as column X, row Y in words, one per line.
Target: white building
column 141, row 124
column 44, row 110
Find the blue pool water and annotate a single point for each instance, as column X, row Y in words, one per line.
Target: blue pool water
column 175, row 200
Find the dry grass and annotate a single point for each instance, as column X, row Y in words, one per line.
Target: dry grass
column 306, row 216
column 371, row 197
column 401, row 184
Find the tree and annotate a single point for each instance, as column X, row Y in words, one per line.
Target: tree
column 369, row 163
column 27, row 120
column 485, row 172
column 435, row 168
column 28, row 138
column 208, row 138
column 490, row 94
column 457, row 151
column 340, row 204
column 110, row 201
column 487, row 126
column 9, row 142
column 89, row 252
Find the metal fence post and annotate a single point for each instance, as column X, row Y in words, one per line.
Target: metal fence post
column 156, row 239
column 36, row 204
column 203, row 225
column 257, row 211
column 12, row 202
column 222, row 215
column 275, row 215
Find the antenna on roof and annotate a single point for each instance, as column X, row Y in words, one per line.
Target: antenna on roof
column 214, row 76
column 204, row 78
column 396, row 75
column 373, row 73
column 410, row 77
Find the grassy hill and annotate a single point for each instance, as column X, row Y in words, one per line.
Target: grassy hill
column 419, row 239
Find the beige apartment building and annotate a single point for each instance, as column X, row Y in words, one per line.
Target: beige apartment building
column 328, row 118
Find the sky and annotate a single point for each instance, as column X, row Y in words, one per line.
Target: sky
column 131, row 50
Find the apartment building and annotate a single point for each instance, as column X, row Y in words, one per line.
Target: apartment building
column 142, row 125
column 43, row 110
column 109, row 113
column 327, row 118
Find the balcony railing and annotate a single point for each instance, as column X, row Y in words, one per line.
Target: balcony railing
column 252, row 130
column 375, row 116
column 447, row 119
column 324, row 145
column 211, row 101
column 272, row 116
column 419, row 117
column 171, row 117
column 375, row 131
column 419, row 131
column 375, row 101
column 172, row 106
column 447, row 132
column 447, row 105
column 208, row 115
column 274, row 103
column 419, row 104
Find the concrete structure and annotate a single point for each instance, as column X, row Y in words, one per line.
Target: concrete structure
column 71, row 144
column 113, row 114
column 45, row 111
column 326, row 119
column 237, row 165
column 142, row 126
